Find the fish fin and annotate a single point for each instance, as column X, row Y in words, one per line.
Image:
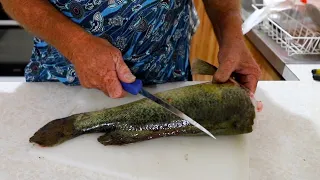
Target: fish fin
column 120, row 137
column 202, row 67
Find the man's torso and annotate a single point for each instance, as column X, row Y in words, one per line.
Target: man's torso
column 153, row 36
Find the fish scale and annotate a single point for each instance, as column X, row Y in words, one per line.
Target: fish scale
column 223, row 109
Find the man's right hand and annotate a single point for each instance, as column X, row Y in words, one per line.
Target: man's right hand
column 99, row 65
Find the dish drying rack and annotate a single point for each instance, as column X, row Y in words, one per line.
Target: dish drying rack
column 289, row 29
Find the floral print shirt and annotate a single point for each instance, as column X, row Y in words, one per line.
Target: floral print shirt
column 153, row 36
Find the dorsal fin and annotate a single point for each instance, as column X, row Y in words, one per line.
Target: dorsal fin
column 203, row 68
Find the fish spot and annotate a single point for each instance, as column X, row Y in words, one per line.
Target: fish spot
column 186, row 157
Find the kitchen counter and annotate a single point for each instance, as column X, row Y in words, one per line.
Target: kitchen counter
column 303, row 71
column 285, row 143
column 12, row 79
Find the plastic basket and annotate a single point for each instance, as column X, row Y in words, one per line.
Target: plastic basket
column 292, row 30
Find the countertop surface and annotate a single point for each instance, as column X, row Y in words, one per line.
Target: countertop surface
column 285, row 143
column 303, row 71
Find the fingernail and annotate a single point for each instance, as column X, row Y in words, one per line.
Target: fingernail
column 130, row 77
column 259, row 106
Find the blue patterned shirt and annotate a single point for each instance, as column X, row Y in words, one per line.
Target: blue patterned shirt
column 153, row 36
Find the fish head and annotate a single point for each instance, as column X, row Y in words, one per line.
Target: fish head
column 225, row 108
column 235, row 118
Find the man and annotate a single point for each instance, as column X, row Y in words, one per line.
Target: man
column 98, row 43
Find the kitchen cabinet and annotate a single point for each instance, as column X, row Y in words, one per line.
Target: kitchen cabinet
column 204, row 46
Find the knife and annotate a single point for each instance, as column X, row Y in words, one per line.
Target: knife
column 136, row 88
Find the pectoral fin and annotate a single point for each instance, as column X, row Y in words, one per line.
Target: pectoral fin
column 120, row 137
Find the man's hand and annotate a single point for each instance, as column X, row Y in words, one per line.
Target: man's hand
column 99, row 65
column 236, row 58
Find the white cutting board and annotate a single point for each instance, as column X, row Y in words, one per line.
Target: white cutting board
column 167, row 158
column 186, row 158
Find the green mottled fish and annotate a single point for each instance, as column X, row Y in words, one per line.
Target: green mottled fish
column 223, row 109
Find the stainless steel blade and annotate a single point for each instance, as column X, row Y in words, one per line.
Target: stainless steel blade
column 174, row 110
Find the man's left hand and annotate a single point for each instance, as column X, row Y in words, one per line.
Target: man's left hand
column 235, row 57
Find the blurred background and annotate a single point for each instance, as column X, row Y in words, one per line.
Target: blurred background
column 15, row 46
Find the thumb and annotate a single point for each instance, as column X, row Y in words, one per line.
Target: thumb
column 123, row 71
column 224, row 71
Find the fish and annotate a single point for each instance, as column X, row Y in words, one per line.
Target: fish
column 222, row 108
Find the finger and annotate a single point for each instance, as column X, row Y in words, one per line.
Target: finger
column 107, row 94
column 111, row 85
column 123, row 71
column 224, row 71
column 250, row 82
column 84, row 83
column 100, row 86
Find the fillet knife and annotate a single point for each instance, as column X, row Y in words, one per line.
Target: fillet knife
column 136, row 88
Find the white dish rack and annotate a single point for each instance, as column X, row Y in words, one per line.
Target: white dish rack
column 291, row 30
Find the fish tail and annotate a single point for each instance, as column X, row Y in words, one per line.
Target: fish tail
column 56, row 132
column 204, row 68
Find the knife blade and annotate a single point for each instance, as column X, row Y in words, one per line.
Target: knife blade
column 136, row 88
